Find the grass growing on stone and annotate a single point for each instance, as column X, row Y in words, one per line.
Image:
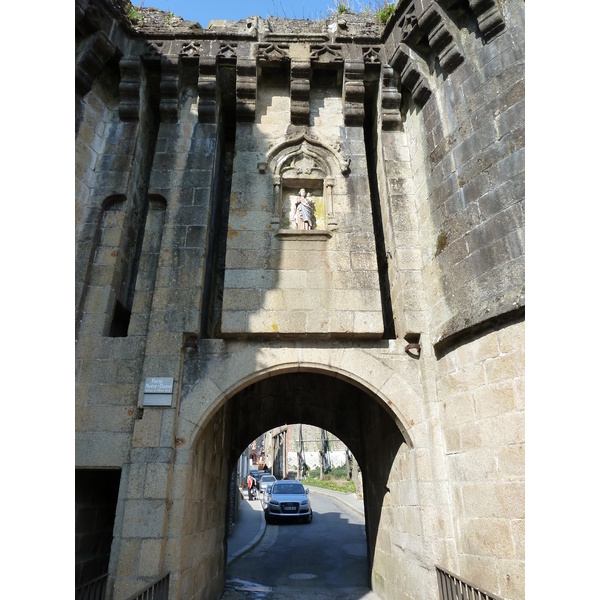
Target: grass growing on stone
column 385, row 12
column 338, row 485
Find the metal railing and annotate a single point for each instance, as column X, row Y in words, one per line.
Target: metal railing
column 92, row 590
column 452, row 587
column 155, row 590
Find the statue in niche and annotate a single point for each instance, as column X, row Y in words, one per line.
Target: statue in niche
column 302, row 210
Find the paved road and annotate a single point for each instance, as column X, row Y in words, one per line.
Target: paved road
column 324, row 559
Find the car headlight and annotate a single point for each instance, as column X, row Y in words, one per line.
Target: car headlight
column 304, row 502
column 275, row 502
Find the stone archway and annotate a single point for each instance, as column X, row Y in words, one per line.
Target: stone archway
column 217, row 430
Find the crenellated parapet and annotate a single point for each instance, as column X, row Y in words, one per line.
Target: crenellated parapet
column 420, row 35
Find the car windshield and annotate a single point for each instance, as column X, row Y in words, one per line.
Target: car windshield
column 288, row 488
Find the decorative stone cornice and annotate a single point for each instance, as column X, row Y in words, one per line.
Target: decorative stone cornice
column 326, row 53
column 227, row 53
column 273, row 53
column 192, row 49
column 129, row 88
column 417, row 21
column 371, row 54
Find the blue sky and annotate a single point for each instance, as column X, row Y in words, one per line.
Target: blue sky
column 204, row 11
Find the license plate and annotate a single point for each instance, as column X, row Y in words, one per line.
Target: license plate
column 289, row 509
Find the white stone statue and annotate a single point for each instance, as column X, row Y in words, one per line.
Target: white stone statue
column 301, row 210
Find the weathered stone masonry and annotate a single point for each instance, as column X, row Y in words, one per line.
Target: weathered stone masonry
column 191, row 146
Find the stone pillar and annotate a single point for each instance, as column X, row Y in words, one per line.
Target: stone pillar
column 153, row 488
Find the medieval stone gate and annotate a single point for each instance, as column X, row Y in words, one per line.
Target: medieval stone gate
column 283, row 221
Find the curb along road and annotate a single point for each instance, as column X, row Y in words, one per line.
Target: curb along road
column 254, row 541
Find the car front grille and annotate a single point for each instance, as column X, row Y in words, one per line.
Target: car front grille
column 289, row 507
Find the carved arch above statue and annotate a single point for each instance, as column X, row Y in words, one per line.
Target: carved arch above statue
column 304, row 167
column 310, row 145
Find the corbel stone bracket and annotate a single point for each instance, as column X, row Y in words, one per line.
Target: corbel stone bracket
column 300, row 71
column 390, row 99
column 487, row 13
column 207, row 89
column 411, row 69
column 245, row 89
column 129, row 88
column 437, row 26
column 489, row 17
column 354, row 92
column 170, row 87
column 90, row 61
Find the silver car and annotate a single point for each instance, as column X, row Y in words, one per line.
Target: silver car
column 288, row 500
column 264, row 482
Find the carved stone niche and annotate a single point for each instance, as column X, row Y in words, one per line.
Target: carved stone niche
column 304, row 163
